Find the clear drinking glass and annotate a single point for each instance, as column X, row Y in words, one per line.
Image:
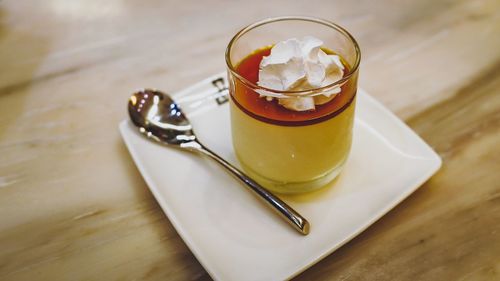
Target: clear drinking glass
column 304, row 151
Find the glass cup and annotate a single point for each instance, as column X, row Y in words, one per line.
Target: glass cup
column 305, row 150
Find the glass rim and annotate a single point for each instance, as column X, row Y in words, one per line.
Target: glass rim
column 308, row 92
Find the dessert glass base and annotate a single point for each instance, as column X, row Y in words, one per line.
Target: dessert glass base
column 294, row 187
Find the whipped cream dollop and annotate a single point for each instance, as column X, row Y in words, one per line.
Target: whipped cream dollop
column 300, row 64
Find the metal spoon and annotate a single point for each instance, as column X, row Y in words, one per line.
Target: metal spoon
column 161, row 119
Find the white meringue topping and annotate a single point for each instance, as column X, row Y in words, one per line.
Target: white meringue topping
column 295, row 65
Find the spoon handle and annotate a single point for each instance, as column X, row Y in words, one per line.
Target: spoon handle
column 286, row 212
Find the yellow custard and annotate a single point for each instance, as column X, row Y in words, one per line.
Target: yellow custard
column 292, row 159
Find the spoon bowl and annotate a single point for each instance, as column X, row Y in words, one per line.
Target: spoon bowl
column 159, row 118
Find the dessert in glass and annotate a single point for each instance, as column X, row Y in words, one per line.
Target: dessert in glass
column 292, row 83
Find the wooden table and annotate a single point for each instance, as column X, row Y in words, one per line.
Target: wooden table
column 74, row 207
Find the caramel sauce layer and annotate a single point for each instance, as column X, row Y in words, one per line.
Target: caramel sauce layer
column 271, row 111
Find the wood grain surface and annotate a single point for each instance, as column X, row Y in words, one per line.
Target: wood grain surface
column 74, row 207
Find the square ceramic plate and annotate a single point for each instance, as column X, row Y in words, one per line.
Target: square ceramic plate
column 232, row 234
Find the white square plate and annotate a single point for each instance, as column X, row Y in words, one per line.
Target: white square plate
column 232, row 234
